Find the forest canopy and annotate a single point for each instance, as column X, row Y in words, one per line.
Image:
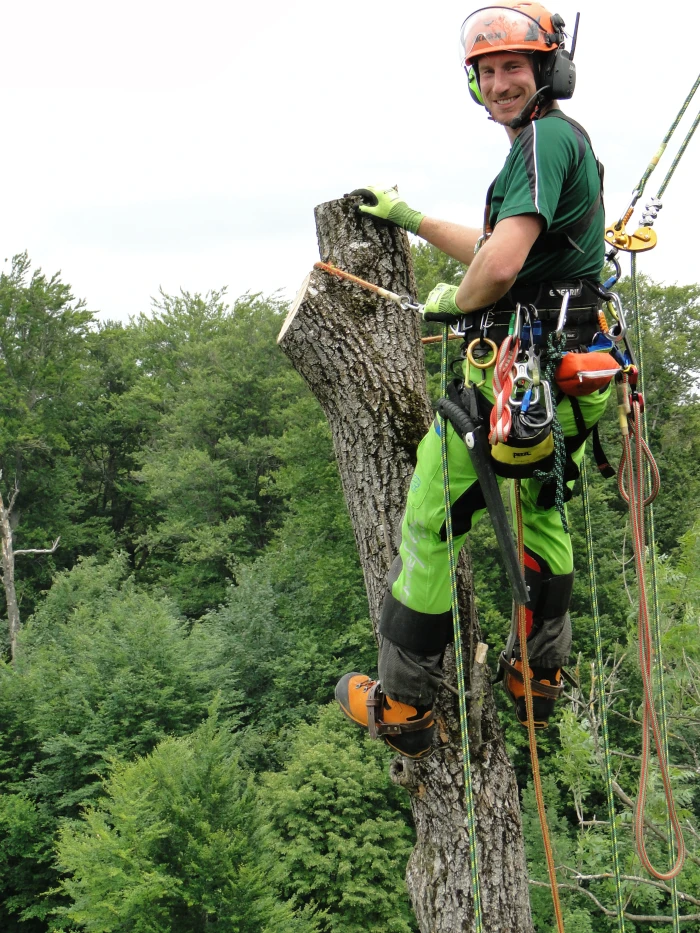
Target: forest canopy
column 169, row 757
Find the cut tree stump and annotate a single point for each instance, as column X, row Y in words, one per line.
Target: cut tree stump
column 362, row 358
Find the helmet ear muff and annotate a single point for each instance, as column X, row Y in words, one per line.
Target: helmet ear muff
column 559, row 73
column 474, row 90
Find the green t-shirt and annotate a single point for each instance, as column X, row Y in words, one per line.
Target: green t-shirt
column 551, row 171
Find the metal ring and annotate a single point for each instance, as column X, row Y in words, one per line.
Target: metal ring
column 492, row 346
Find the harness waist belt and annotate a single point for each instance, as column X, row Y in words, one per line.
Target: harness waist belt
column 500, row 318
column 547, row 296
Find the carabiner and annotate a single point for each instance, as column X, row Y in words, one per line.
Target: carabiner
column 515, row 325
column 561, row 320
column 619, row 329
column 492, row 359
column 406, row 303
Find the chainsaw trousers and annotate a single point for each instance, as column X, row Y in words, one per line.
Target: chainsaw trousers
column 416, row 618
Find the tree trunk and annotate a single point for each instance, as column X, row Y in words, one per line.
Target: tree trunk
column 362, row 358
column 8, row 573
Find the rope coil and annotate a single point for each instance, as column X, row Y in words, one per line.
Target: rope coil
column 632, row 484
column 501, row 418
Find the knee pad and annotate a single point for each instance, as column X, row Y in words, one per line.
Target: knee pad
column 419, row 632
column 549, row 593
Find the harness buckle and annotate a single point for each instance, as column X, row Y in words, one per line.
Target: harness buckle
column 487, row 321
column 462, row 326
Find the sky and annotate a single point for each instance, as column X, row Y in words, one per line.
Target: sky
column 168, row 145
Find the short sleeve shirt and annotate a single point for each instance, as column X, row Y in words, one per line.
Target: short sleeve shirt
column 552, row 171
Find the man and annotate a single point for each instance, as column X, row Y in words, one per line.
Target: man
column 543, row 236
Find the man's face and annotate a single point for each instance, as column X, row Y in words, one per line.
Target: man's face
column 507, row 83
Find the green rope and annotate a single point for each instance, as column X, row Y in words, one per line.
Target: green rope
column 554, row 352
column 660, row 151
column 684, row 146
column 656, row 609
column 600, row 690
column 459, row 659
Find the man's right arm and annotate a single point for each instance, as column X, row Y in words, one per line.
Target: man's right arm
column 454, row 239
column 386, row 204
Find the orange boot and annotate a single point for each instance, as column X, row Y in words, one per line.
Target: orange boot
column 546, row 689
column 407, row 729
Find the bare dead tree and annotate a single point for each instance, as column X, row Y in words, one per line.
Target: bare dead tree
column 363, row 360
column 8, row 564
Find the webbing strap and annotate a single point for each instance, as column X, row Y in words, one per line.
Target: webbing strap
column 459, row 658
column 552, row 240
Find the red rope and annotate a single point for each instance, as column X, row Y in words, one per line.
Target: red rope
column 501, row 418
column 631, row 482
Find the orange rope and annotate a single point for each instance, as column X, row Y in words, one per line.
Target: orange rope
column 439, row 337
column 341, row 274
column 631, row 483
column 536, row 778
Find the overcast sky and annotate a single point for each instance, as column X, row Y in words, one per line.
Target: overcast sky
column 184, row 145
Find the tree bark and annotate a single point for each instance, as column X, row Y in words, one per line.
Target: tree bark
column 362, row 358
column 7, row 555
column 8, row 572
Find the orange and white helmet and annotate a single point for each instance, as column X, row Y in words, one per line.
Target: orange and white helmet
column 512, row 26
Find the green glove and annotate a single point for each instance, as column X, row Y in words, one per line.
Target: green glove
column 441, row 305
column 387, row 204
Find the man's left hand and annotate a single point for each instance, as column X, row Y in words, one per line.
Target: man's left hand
column 441, row 305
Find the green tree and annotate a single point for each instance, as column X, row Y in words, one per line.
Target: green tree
column 104, row 673
column 174, row 847
column 224, row 391
column 338, row 829
column 42, row 352
column 297, row 616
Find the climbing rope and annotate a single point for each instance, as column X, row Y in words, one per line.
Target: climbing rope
column 681, row 150
column 638, row 481
column 602, row 704
column 639, row 190
column 633, row 489
column 501, row 418
column 656, row 609
column 459, row 658
column 532, row 739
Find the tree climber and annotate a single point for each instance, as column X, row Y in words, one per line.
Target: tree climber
column 542, row 238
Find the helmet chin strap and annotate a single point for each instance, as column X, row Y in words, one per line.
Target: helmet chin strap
column 526, row 114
